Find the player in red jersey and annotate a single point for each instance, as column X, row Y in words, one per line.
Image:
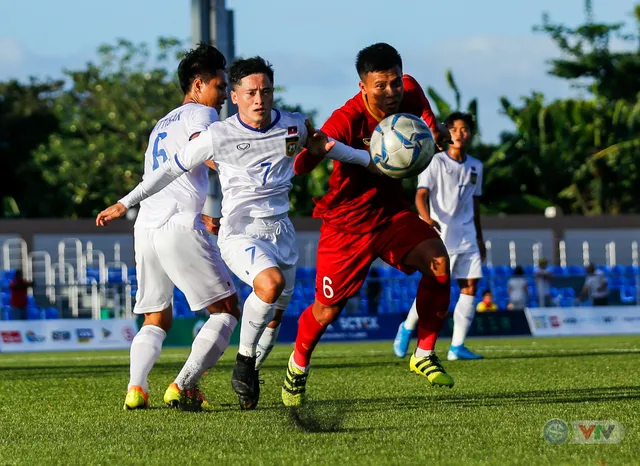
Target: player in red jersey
column 365, row 217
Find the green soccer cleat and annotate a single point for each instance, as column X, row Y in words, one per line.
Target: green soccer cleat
column 186, row 400
column 136, row 399
column 431, row 368
column 294, row 385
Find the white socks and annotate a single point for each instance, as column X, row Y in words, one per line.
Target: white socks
column 462, row 319
column 210, row 343
column 411, row 322
column 266, row 344
column 256, row 314
column 145, row 351
column 422, row 353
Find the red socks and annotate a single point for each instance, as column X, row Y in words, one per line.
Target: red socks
column 432, row 303
column 309, row 333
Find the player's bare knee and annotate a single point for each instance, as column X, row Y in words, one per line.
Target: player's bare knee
column 468, row 287
column 269, row 284
column 228, row 305
column 162, row 319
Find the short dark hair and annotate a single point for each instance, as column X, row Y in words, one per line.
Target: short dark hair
column 486, row 292
column 519, row 270
column 466, row 117
column 248, row 66
column 377, row 57
column 202, row 62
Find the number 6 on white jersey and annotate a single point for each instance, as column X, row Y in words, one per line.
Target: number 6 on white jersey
column 326, row 287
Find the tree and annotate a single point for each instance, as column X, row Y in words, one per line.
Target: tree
column 27, row 119
column 105, row 116
column 588, row 59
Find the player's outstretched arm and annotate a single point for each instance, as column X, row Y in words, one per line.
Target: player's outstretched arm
column 320, row 145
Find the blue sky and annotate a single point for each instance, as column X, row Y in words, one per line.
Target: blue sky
column 489, row 45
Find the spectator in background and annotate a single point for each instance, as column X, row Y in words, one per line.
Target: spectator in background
column 518, row 290
column 596, row 287
column 487, row 304
column 543, row 283
column 19, row 287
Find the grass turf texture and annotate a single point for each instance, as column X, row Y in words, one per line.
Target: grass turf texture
column 364, row 407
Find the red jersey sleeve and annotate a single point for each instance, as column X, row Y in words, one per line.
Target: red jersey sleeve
column 338, row 127
column 415, row 94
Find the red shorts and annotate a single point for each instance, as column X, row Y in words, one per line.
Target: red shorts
column 344, row 258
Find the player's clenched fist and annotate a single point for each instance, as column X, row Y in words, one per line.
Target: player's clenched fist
column 110, row 213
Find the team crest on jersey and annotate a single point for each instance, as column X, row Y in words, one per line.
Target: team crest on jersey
column 292, row 130
column 292, row 145
column 474, row 178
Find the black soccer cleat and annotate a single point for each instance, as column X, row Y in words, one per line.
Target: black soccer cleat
column 245, row 381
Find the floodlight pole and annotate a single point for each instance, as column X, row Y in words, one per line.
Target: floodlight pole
column 212, row 22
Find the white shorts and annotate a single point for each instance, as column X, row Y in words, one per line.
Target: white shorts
column 252, row 246
column 466, row 265
column 177, row 255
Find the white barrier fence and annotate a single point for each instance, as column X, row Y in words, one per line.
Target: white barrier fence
column 66, row 334
column 603, row 320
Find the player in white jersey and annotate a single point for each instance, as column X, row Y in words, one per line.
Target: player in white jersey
column 254, row 153
column 451, row 187
column 172, row 246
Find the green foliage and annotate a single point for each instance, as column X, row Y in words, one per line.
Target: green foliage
column 105, row 116
column 26, row 121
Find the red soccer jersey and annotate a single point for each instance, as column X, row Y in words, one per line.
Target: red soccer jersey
column 358, row 201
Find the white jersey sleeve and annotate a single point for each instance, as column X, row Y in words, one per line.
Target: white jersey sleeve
column 195, row 153
column 348, row 154
column 479, row 179
column 200, row 120
column 426, row 179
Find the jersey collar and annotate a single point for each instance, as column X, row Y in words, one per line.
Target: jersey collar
column 366, row 105
column 274, row 122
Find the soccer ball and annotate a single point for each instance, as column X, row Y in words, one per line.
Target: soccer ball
column 402, row 146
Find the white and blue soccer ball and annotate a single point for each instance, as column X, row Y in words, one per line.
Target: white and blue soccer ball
column 402, row 145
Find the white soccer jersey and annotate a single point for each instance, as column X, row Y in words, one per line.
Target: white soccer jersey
column 256, row 166
column 452, row 186
column 180, row 202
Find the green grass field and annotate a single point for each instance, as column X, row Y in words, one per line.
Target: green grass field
column 365, row 407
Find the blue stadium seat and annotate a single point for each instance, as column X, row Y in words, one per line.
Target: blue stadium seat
column 51, row 313
column 616, row 270
column 576, row 270
column 628, row 295
column 528, row 270
column 93, row 273
column 306, row 273
column 566, row 302
column 114, row 275
column 558, row 270
column 615, row 282
column 502, row 271
column 487, row 271
column 33, row 313
column 629, row 270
